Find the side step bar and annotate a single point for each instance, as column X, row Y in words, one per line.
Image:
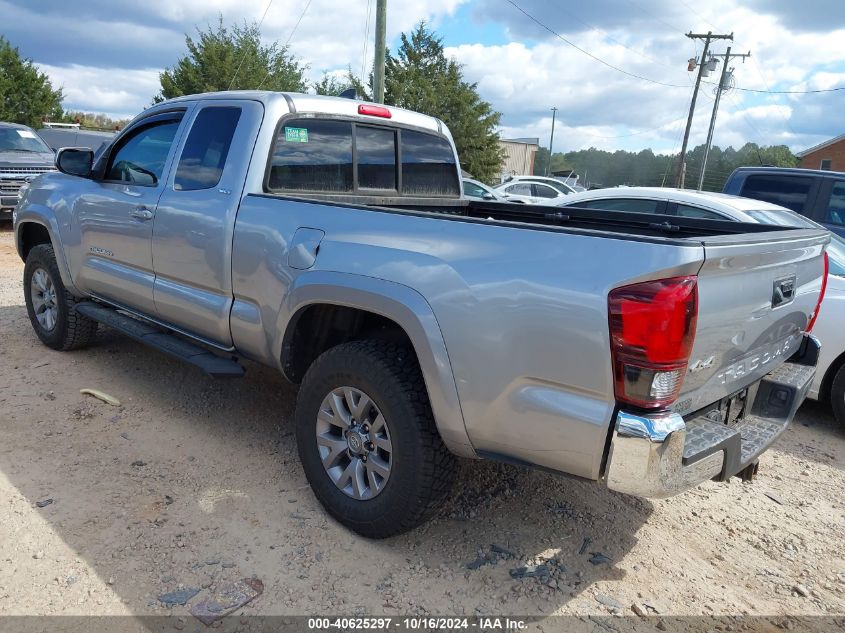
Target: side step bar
column 215, row 366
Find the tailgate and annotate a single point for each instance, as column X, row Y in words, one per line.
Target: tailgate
column 756, row 293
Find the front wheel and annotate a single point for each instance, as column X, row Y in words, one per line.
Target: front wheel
column 367, row 439
column 50, row 306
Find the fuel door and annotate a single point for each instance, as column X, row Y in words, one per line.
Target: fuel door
column 304, row 248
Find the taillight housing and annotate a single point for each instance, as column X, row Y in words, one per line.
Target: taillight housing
column 652, row 329
column 815, row 314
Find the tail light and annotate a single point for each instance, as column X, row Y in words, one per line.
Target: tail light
column 815, row 314
column 652, row 328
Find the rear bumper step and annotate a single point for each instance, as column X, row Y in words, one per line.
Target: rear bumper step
column 661, row 454
column 212, row 364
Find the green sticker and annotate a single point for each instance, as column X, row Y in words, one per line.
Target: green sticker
column 296, row 135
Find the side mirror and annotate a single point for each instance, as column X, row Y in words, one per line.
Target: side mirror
column 75, row 161
column 488, row 196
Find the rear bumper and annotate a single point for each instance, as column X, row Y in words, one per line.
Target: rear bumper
column 661, row 454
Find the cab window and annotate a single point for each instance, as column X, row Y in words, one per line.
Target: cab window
column 204, row 155
column 141, row 155
column 544, row 191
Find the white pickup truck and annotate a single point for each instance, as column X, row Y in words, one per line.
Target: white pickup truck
column 328, row 238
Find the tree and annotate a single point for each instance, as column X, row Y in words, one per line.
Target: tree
column 232, row 59
column 332, row 85
column 420, row 77
column 26, row 94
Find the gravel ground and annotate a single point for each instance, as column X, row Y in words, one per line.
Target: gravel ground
column 193, row 483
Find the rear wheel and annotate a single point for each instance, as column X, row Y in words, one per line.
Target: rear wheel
column 837, row 395
column 50, row 306
column 367, row 439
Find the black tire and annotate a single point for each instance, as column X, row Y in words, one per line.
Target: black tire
column 837, row 396
column 422, row 470
column 71, row 330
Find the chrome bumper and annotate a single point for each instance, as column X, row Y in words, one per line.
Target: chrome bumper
column 646, row 457
column 660, row 454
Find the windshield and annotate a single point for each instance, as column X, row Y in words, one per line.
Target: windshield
column 781, row 218
column 836, row 255
column 21, row 140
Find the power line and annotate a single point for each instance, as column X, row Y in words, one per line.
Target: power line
column 366, row 40
column 296, row 26
column 588, row 53
column 617, row 42
column 290, row 37
column 648, row 79
column 246, row 50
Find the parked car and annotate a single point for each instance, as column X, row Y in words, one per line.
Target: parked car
column 480, row 191
column 686, row 203
column 541, row 193
column 815, row 193
column 558, row 183
column 281, row 228
column 23, row 156
column 71, row 135
column 829, row 383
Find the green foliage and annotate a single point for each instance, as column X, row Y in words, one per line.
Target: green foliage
column 647, row 169
column 26, row 94
column 332, row 85
column 420, row 77
column 231, row 59
column 93, row 120
column 541, row 161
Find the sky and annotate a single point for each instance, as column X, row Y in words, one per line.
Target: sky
column 615, row 69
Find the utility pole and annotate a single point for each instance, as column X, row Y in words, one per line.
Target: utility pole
column 707, row 37
column 378, row 66
column 721, row 87
column 551, row 143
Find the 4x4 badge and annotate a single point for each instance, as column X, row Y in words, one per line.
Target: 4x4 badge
column 700, row 365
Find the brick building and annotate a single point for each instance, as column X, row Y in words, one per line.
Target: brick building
column 829, row 155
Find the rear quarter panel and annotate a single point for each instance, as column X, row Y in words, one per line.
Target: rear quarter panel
column 523, row 312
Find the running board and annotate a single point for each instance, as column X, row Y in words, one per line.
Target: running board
column 215, row 366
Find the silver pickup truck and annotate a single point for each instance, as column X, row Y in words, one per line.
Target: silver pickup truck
column 328, row 238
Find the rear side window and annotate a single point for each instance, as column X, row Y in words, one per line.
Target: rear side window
column 313, row 155
column 836, row 206
column 523, row 189
column 428, row 165
column 544, row 191
column 206, row 149
column 686, row 211
column 634, row 205
column 787, row 191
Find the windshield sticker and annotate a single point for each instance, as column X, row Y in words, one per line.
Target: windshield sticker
column 25, row 133
column 296, row 135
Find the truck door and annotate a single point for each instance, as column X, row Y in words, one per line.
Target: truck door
column 195, row 219
column 115, row 214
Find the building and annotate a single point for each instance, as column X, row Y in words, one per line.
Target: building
column 519, row 156
column 829, row 155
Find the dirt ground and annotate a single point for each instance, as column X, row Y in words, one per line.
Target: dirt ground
column 195, row 483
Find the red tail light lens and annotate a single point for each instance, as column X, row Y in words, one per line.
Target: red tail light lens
column 652, row 328
column 374, row 110
column 815, row 314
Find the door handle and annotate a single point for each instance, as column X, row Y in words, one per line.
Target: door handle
column 141, row 213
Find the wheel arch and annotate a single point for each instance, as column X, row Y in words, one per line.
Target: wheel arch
column 32, row 229
column 829, row 375
column 393, row 310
